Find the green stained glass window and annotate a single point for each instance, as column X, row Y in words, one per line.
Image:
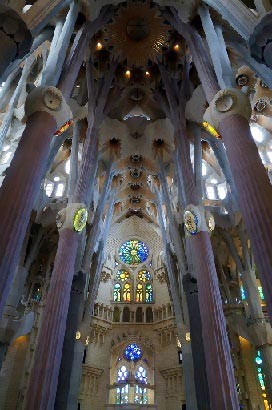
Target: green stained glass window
column 144, row 276
column 148, row 293
column 122, row 275
column 133, row 252
column 260, row 289
column 117, row 293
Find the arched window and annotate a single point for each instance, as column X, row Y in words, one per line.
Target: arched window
column 122, row 374
column 139, row 292
column 148, row 293
column 117, row 292
column 139, row 314
column 116, row 314
column 122, row 393
column 149, row 315
column 141, row 391
column 126, row 314
column 126, row 292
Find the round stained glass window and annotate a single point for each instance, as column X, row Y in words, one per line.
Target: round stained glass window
column 144, row 276
column 133, row 352
column 133, row 252
column 122, row 275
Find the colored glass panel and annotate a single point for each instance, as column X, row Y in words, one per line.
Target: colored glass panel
column 126, row 293
column 141, row 375
column 122, row 275
column 117, row 293
column 122, row 374
column 149, row 293
column 133, row 252
column 260, row 289
column 243, row 294
column 133, row 352
column 139, row 293
column 140, row 395
column 144, row 276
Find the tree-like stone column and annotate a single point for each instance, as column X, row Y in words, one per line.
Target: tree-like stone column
column 41, row 390
column 229, row 112
column 74, row 316
column 219, row 366
column 46, row 111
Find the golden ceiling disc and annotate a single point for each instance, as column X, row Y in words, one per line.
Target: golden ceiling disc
column 138, row 33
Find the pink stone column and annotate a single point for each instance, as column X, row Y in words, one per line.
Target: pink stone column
column 254, row 195
column 44, row 378
column 18, row 192
column 42, row 385
column 219, row 368
column 220, row 373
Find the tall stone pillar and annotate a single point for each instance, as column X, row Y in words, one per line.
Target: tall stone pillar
column 46, row 111
column 74, row 315
column 229, row 112
column 71, row 221
column 219, row 367
column 187, row 362
column 43, row 379
column 200, row 375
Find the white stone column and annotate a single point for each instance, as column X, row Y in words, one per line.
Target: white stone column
column 59, row 47
column 217, row 48
column 238, row 15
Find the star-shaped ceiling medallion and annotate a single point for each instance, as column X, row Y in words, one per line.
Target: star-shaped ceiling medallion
column 138, row 33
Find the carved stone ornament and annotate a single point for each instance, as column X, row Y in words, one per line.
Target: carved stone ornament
column 194, row 220
column 73, row 217
column 50, row 100
column 225, row 103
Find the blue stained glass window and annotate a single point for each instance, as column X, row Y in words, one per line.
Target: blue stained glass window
column 144, row 276
column 122, row 374
column 133, row 352
column 133, row 252
column 141, row 375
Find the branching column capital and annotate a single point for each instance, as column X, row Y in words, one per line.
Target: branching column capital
column 50, row 100
column 226, row 103
column 73, row 217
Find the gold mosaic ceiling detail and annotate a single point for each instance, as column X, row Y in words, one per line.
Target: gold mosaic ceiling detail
column 138, row 33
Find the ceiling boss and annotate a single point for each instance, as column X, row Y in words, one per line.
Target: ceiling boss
column 138, row 33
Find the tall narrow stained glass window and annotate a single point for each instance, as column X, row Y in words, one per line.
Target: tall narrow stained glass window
column 126, row 293
column 122, row 393
column 117, row 292
column 139, row 292
column 141, row 391
column 133, row 252
column 148, row 293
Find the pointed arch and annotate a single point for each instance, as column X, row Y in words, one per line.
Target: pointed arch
column 117, row 292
